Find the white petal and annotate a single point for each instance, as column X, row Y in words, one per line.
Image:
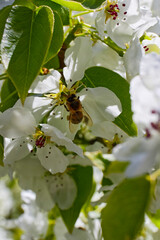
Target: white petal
column 134, row 52
column 75, row 61
column 108, row 130
column 59, row 138
column 17, row 149
column 39, row 106
column 52, row 158
column 30, row 174
column 140, row 152
column 76, row 160
column 100, row 103
column 79, row 234
column 63, row 190
column 106, row 57
column 120, row 34
column 46, row 83
column 155, row 8
column 15, row 122
column 100, row 23
column 150, row 71
column 145, row 26
column 143, row 102
column 59, row 120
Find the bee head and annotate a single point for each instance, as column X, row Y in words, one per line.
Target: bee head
column 71, row 98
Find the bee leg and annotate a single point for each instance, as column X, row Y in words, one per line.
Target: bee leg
column 66, row 108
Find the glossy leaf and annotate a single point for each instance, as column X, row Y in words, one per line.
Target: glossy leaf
column 123, row 216
column 83, row 179
column 25, row 43
column 26, row 3
column 61, row 10
column 92, row 3
column 75, row 6
column 57, row 38
column 9, row 95
column 3, row 17
column 102, row 77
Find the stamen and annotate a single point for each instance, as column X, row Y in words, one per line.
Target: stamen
column 148, row 134
column 40, row 141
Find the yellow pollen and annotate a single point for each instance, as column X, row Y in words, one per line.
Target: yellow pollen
column 61, row 97
column 111, row 10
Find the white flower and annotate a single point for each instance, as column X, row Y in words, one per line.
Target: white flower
column 39, row 139
column 98, row 104
column 145, row 92
column 143, row 152
column 6, row 200
column 104, row 56
column 50, row 189
column 77, row 58
column 77, row 234
column 33, row 221
column 117, row 18
column 135, row 51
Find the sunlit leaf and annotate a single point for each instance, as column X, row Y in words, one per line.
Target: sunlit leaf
column 102, row 77
column 123, row 216
column 25, row 43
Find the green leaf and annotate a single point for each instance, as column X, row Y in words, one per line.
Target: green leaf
column 1, row 151
column 26, row 3
column 123, row 216
column 102, row 77
column 75, row 6
column 25, row 43
column 92, row 3
column 57, row 38
column 9, row 95
column 83, row 179
column 4, row 12
column 53, row 63
column 61, row 10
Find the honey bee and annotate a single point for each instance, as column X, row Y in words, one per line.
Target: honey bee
column 76, row 113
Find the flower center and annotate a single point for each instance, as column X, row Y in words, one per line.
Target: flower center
column 112, row 10
column 153, row 125
column 40, row 138
column 61, row 97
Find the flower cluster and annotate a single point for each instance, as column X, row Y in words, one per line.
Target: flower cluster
column 80, row 118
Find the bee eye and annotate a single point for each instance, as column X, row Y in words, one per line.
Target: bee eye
column 71, row 98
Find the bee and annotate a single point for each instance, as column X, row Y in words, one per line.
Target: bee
column 76, row 113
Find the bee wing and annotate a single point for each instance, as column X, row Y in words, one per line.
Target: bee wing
column 73, row 127
column 87, row 119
